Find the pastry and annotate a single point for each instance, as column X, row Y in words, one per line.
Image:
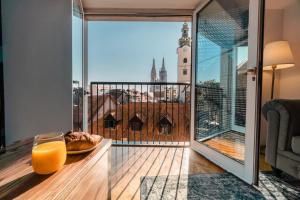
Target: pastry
column 78, row 141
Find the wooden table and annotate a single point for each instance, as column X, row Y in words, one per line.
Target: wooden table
column 85, row 176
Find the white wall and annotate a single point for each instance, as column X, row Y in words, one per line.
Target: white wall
column 272, row 32
column 282, row 24
column 37, row 43
column 290, row 78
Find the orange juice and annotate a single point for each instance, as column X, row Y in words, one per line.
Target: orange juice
column 48, row 157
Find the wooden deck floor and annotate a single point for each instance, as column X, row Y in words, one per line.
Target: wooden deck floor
column 231, row 144
column 129, row 164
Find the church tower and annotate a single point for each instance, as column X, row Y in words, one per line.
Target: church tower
column 153, row 75
column 153, row 72
column 163, row 76
column 184, row 56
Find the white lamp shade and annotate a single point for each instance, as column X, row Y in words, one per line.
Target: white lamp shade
column 278, row 54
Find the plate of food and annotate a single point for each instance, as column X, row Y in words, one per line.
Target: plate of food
column 81, row 142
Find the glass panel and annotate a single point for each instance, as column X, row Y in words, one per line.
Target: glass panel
column 77, row 49
column 221, row 79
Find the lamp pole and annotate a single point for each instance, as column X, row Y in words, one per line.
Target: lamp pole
column 273, row 80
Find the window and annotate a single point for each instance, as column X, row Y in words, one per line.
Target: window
column 166, row 129
column 184, row 72
column 136, row 126
column 185, row 60
column 109, row 124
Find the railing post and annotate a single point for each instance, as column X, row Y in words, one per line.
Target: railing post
column 147, row 113
column 178, row 108
column 91, row 99
column 128, row 115
column 103, row 111
column 141, row 132
column 122, row 104
column 97, row 111
column 116, row 113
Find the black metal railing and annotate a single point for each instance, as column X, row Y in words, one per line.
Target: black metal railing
column 77, row 106
column 140, row 113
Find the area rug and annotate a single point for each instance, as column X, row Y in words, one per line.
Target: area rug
column 273, row 187
column 212, row 186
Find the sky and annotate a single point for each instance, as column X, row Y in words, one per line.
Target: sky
column 209, row 59
column 123, row 51
column 77, row 48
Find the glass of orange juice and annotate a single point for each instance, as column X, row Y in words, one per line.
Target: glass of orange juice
column 48, row 153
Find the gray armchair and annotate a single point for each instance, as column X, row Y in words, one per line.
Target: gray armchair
column 283, row 118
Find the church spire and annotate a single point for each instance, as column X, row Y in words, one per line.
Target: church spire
column 153, row 71
column 185, row 39
column 163, row 68
column 163, row 72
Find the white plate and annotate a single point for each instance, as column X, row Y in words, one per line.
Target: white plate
column 82, row 151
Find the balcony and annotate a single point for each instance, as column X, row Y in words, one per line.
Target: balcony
column 140, row 113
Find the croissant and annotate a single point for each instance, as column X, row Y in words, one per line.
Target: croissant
column 77, row 141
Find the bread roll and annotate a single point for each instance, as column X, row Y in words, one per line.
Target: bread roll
column 78, row 141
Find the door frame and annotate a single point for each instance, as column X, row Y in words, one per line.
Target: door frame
column 249, row 170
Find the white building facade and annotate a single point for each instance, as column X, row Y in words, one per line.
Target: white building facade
column 184, row 56
column 184, row 63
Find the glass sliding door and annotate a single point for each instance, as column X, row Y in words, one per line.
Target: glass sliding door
column 77, row 60
column 223, row 89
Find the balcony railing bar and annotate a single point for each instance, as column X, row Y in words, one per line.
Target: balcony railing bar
column 122, row 112
column 178, row 112
column 117, row 112
column 184, row 122
column 97, row 112
column 76, row 91
column 134, row 107
column 172, row 110
column 141, row 103
column 153, row 107
column 147, row 113
column 128, row 136
column 103, row 100
column 109, row 110
column 91, row 112
column 159, row 108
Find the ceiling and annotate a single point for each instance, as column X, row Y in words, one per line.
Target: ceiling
column 165, row 4
column 140, row 4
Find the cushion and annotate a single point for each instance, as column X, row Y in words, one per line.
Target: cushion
column 296, row 144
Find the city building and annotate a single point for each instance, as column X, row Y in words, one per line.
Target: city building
column 184, row 56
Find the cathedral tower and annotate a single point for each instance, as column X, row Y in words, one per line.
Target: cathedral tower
column 153, row 72
column 184, row 56
column 153, row 75
column 163, row 76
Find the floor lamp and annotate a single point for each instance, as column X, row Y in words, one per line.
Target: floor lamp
column 277, row 55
